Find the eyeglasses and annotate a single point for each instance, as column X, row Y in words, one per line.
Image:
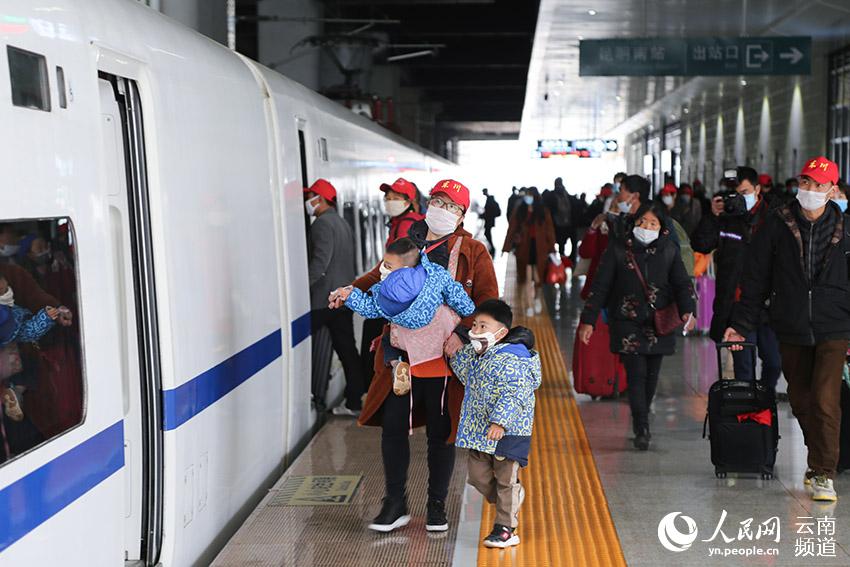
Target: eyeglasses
column 447, row 205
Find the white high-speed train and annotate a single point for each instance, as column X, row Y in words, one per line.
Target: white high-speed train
column 167, row 172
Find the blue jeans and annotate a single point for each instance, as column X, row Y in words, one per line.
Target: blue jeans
column 768, row 351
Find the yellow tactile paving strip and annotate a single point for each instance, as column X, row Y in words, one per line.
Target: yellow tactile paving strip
column 565, row 520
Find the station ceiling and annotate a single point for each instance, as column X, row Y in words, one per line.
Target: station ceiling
column 560, row 104
column 478, row 68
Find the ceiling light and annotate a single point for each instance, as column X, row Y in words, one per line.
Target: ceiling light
column 580, row 38
column 591, row 12
column 619, row 98
column 560, row 83
column 685, row 110
column 743, row 82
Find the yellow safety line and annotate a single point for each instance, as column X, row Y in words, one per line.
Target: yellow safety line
column 565, row 519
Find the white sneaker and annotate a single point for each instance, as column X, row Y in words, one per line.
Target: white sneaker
column 807, row 478
column 342, row 410
column 822, row 489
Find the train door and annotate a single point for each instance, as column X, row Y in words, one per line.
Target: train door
column 125, row 177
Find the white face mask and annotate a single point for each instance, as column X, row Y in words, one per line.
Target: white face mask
column 385, row 271
column 8, row 298
column 483, row 341
column 395, row 208
column 9, row 249
column 750, row 200
column 645, row 236
column 812, row 200
column 667, row 200
column 440, row 221
column 529, row 200
column 311, row 205
column 616, row 187
column 625, row 207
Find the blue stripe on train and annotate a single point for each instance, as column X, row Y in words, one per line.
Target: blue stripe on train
column 188, row 400
column 300, row 329
column 30, row 501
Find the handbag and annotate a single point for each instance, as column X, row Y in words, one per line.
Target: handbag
column 556, row 272
column 666, row 319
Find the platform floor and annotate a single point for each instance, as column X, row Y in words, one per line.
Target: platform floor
column 592, row 499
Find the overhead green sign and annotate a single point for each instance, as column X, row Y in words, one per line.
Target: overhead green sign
column 695, row 56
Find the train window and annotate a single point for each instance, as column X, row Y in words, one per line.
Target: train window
column 60, row 86
column 364, row 237
column 323, row 149
column 302, row 147
column 28, row 77
column 41, row 369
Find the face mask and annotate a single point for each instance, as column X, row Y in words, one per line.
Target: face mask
column 8, row 298
column 483, row 341
column 750, row 200
column 645, row 236
column 310, row 206
column 842, row 204
column 440, row 221
column 385, row 271
column 667, row 200
column 616, row 187
column 41, row 259
column 9, row 250
column 528, row 200
column 811, row 200
column 625, row 207
column 395, row 208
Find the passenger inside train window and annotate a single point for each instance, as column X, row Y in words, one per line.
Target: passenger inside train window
column 40, row 356
column 9, row 242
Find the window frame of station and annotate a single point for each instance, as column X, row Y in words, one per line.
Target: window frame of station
column 838, row 110
column 76, row 312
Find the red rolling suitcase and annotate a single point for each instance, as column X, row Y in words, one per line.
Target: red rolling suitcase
column 596, row 370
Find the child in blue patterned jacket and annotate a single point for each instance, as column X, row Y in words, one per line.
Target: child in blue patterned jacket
column 17, row 325
column 422, row 302
column 500, row 372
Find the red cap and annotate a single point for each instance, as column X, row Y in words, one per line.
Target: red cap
column 821, row 170
column 687, row 190
column 669, row 189
column 323, row 188
column 454, row 190
column 401, row 186
column 765, row 180
column 606, row 191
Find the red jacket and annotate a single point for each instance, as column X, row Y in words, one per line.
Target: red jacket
column 400, row 225
column 593, row 246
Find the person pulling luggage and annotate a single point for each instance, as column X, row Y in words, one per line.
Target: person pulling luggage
column 798, row 260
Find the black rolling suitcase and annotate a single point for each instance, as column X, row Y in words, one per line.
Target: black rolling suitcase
column 844, row 452
column 740, row 439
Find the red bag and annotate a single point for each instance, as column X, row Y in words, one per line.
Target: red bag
column 596, row 370
column 556, row 271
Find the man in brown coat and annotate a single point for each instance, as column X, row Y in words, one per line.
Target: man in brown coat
column 437, row 394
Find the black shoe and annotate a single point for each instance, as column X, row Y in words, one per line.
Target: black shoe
column 437, row 520
column 501, row 537
column 393, row 515
column 642, row 438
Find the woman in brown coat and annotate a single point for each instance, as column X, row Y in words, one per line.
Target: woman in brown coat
column 436, row 393
column 531, row 237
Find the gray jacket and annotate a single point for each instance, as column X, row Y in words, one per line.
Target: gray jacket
column 332, row 257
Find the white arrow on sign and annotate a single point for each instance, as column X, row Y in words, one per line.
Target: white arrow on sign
column 794, row 55
column 756, row 56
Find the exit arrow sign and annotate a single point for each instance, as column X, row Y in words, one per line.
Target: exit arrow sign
column 708, row 56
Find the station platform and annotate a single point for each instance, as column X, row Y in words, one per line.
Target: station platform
column 592, row 500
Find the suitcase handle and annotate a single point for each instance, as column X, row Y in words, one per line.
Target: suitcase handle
column 750, row 346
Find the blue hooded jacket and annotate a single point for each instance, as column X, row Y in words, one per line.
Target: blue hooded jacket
column 401, row 300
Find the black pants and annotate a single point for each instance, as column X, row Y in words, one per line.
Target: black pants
column 341, row 326
column 395, row 446
column 488, row 234
column 564, row 233
column 372, row 329
column 642, row 374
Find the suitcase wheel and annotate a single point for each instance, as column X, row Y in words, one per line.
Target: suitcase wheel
column 720, row 474
column 766, row 476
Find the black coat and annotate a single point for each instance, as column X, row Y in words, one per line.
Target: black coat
column 801, row 313
column 617, row 288
column 729, row 238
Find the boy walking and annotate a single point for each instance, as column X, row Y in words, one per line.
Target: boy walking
column 500, row 372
